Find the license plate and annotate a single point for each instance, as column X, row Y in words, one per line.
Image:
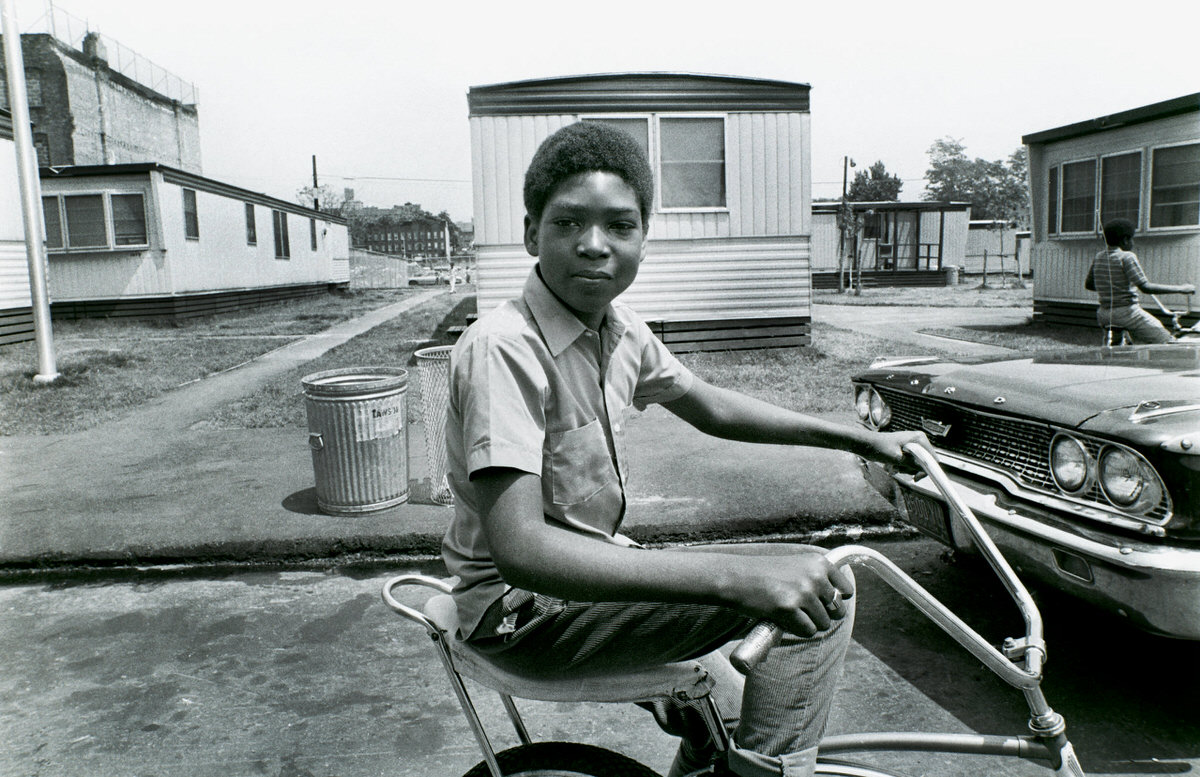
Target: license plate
column 928, row 515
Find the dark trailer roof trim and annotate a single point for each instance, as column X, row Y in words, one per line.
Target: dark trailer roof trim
column 637, row 93
column 190, row 180
column 1162, row 110
column 888, row 205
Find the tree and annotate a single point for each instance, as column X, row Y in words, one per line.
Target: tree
column 324, row 195
column 875, row 185
column 995, row 189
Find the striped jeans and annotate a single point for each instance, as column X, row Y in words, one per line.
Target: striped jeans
column 777, row 713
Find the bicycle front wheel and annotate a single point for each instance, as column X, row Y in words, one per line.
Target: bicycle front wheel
column 836, row 767
column 563, row 759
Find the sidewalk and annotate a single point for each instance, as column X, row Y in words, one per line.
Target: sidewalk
column 156, row 487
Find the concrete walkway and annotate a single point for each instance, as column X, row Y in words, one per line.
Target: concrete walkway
column 903, row 324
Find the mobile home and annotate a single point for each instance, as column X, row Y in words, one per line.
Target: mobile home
column 727, row 263
column 16, row 302
column 151, row 240
column 894, row 243
column 1142, row 164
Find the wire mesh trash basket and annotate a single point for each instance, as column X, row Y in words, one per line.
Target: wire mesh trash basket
column 433, row 368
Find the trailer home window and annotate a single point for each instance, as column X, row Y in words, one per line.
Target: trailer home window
column 129, row 219
column 191, row 217
column 1052, row 202
column 283, row 248
column 638, row 129
column 1079, row 196
column 1121, row 187
column 692, row 159
column 95, row 221
column 85, row 221
column 251, row 227
column 1175, row 186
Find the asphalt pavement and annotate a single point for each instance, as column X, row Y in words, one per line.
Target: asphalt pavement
column 177, row 667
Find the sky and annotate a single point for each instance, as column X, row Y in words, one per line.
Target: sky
column 377, row 89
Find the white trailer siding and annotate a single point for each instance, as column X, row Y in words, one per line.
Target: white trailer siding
column 767, row 164
column 14, row 267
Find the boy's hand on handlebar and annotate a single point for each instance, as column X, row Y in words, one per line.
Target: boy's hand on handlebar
column 890, row 448
column 802, row 594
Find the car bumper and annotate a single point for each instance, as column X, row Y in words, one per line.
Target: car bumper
column 1154, row 585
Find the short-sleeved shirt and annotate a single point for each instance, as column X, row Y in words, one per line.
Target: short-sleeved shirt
column 533, row 389
column 1116, row 275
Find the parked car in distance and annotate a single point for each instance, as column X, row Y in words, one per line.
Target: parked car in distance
column 1083, row 465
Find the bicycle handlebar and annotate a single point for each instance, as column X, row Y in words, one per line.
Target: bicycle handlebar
column 766, row 635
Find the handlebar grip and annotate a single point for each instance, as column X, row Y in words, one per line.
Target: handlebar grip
column 754, row 647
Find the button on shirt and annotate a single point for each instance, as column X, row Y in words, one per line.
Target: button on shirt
column 533, row 389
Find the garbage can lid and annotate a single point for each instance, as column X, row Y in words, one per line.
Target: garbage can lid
column 352, row 381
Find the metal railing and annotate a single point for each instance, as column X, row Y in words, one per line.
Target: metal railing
column 72, row 30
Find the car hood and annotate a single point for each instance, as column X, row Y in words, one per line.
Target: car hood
column 1066, row 388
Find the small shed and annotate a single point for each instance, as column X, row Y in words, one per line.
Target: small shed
column 16, row 302
column 727, row 263
column 150, row 240
column 895, row 244
column 1142, row 164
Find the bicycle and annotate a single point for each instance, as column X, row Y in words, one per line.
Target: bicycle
column 1116, row 336
column 1018, row 662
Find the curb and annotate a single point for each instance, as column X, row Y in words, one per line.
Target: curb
column 424, row 552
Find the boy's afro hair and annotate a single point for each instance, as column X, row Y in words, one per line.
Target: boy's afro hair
column 1116, row 230
column 585, row 147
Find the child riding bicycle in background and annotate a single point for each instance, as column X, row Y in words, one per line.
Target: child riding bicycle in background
column 1116, row 275
column 541, row 389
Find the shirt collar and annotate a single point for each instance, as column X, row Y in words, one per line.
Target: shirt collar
column 558, row 325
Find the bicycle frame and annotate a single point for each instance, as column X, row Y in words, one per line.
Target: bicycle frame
column 1019, row 663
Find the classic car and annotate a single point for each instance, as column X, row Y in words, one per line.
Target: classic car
column 1084, row 467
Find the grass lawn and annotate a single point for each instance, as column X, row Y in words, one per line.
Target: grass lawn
column 107, row 366
column 110, row 366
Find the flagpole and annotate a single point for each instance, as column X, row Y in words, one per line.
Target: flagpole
column 31, row 195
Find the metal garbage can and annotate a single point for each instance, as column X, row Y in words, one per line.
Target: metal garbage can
column 358, row 433
column 433, row 367
column 951, row 271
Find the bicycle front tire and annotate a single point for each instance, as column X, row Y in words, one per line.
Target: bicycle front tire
column 563, row 759
column 836, row 767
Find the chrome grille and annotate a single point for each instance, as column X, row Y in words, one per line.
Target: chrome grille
column 1018, row 447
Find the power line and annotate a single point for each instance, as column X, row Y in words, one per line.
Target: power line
column 395, row 178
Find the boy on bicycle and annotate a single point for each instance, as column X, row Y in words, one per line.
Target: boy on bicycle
column 540, row 392
column 1116, row 275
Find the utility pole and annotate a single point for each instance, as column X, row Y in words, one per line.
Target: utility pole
column 316, row 194
column 847, row 219
column 31, row 195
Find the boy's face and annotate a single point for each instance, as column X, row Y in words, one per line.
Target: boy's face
column 589, row 242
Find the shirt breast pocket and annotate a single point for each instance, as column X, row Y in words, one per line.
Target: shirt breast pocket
column 579, row 464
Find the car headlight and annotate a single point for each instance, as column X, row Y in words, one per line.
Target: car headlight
column 1128, row 480
column 862, row 402
column 881, row 414
column 1070, row 463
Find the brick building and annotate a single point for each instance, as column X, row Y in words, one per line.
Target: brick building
column 413, row 238
column 85, row 112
